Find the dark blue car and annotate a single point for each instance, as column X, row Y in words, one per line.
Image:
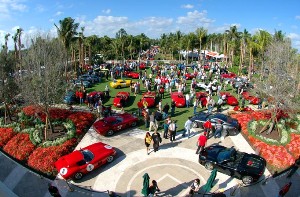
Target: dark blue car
column 70, row 98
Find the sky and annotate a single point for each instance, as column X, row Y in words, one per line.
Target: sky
column 155, row 17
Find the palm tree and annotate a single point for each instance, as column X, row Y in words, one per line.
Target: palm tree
column 243, row 45
column 15, row 38
column 201, row 33
column 66, row 31
column 278, row 36
column 6, row 40
column 19, row 33
column 121, row 36
column 233, row 36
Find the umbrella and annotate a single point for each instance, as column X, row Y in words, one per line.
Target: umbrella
column 145, row 190
column 209, row 184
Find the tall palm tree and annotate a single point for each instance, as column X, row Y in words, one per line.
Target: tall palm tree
column 66, row 31
column 6, row 40
column 201, row 33
column 233, row 36
column 243, row 46
column 278, row 36
column 19, row 34
column 121, row 36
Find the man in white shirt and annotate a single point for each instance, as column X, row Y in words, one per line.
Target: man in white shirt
column 187, row 127
column 187, row 100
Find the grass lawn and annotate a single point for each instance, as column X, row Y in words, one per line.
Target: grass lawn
column 181, row 114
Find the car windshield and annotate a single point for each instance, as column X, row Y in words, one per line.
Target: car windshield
column 87, row 155
column 226, row 155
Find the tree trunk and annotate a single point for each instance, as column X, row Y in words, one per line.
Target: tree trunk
column 265, row 127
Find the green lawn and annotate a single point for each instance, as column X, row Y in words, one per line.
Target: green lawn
column 181, row 114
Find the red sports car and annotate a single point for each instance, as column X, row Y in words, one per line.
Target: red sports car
column 149, row 98
column 96, row 94
column 178, row 98
column 109, row 125
column 190, row 75
column 206, row 67
column 201, row 96
column 252, row 99
column 85, row 160
column 142, row 66
column 121, row 99
column 131, row 74
column 230, row 99
column 228, row 75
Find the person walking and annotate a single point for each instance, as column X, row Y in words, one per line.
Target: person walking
column 166, row 128
column 187, row 100
column 201, row 142
column 146, row 119
column 153, row 188
column 152, row 121
column 156, row 140
column 148, row 140
column 187, row 127
column 219, row 129
column 195, row 186
column 173, row 108
column 207, row 127
column 172, row 131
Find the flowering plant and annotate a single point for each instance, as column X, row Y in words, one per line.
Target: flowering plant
column 5, row 135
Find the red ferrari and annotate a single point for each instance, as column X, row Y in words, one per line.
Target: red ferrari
column 201, row 96
column 178, row 98
column 190, row 75
column 131, row 74
column 252, row 99
column 85, row 160
column 229, row 75
column 112, row 124
column 149, row 98
column 230, row 99
column 142, row 66
column 121, row 99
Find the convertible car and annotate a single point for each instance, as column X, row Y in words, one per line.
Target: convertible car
column 131, row 74
column 230, row 125
column 120, row 83
column 252, row 99
column 121, row 99
column 109, row 125
column 149, row 99
column 178, row 98
column 85, row 160
column 247, row 167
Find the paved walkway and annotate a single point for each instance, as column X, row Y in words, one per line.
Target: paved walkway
column 174, row 166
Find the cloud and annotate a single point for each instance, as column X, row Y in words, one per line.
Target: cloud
column 188, row 6
column 195, row 17
column 107, row 11
column 40, row 8
column 297, row 17
column 8, row 7
column 58, row 13
column 18, row 7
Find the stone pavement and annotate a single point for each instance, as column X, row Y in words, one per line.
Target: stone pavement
column 174, row 166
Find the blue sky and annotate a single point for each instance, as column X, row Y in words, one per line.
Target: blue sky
column 106, row 17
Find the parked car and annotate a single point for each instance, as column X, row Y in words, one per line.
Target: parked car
column 149, row 97
column 132, row 74
column 112, row 124
column 178, row 98
column 244, row 166
column 230, row 99
column 90, row 78
column 230, row 125
column 252, row 99
column 202, row 85
column 85, row 160
column 121, row 99
column 70, row 98
column 120, row 83
column 142, row 66
column 228, row 75
column 79, row 83
column 190, row 76
column 96, row 94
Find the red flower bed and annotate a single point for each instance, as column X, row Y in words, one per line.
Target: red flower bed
column 32, row 110
column 294, row 146
column 82, row 120
column 43, row 159
column 5, row 135
column 19, row 147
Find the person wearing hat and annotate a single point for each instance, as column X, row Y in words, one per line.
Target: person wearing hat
column 201, row 142
column 219, row 129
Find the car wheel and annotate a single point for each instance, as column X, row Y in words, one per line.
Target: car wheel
column 110, row 133
column 209, row 166
column 195, row 125
column 78, row 175
column 247, row 180
column 118, row 87
column 110, row 159
column 233, row 132
column 133, row 124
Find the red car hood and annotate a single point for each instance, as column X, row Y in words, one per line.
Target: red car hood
column 150, row 101
column 231, row 100
column 117, row 101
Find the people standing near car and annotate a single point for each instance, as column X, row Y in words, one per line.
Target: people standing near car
column 152, row 121
column 195, row 186
column 172, row 131
column 146, row 118
column 201, row 142
column 219, row 129
column 207, row 127
column 156, row 140
column 162, row 92
column 210, row 104
column 195, row 105
column 140, row 107
column 166, row 110
column 166, row 127
column 148, row 140
column 160, row 106
column 219, row 104
column 80, row 94
column 173, row 106
column 187, row 100
column 106, row 91
column 187, row 127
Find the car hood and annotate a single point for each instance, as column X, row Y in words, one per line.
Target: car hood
column 117, row 100
column 69, row 160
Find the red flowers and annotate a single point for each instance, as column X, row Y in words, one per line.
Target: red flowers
column 5, row 135
column 19, row 147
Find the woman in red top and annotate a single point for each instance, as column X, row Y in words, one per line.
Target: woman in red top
column 207, row 127
column 201, row 142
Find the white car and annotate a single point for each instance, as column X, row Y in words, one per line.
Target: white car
column 202, row 85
